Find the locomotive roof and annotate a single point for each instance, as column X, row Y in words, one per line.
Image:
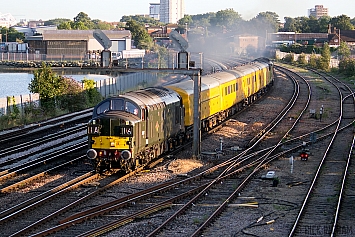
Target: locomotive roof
column 152, row 96
column 121, row 115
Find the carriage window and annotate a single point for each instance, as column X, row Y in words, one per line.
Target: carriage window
column 236, row 87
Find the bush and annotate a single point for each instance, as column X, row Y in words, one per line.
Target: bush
column 289, row 58
column 347, row 67
column 302, row 59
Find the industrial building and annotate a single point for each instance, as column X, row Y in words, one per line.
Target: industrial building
column 75, row 44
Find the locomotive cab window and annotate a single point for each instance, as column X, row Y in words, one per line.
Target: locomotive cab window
column 132, row 108
column 117, row 104
column 103, row 107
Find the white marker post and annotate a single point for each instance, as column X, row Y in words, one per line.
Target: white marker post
column 291, row 162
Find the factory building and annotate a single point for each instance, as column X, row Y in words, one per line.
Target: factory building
column 75, row 44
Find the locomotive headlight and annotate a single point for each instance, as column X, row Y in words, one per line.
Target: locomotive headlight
column 112, row 144
column 91, row 154
column 126, row 154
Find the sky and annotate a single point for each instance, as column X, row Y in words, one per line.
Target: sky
column 113, row 10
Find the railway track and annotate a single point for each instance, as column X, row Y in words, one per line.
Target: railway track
column 228, row 190
column 17, row 136
column 323, row 198
column 111, row 206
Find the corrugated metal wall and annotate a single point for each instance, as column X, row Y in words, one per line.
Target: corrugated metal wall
column 107, row 87
column 119, row 85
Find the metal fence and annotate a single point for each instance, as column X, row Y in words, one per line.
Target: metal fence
column 333, row 61
column 20, row 101
column 16, row 57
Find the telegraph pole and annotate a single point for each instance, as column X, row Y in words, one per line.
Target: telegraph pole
column 196, row 145
column 183, row 63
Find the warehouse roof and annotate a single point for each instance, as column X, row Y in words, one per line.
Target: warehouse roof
column 79, row 35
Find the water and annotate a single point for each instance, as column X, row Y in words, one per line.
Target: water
column 14, row 84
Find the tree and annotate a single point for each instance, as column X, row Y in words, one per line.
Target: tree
column 304, row 25
column 72, row 97
column 344, row 50
column 56, row 21
column 342, row 22
column 323, row 23
column 11, row 35
column 79, row 26
column 313, row 24
column 82, row 17
column 65, row 26
column 92, row 95
column 60, row 92
column 48, row 85
column 142, row 19
column 187, row 19
column 289, row 58
column 290, row 25
column 301, row 60
column 347, row 67
column 226, row 18
column 139, row 34
column 353, row 21
column 82, row 22
column 313, row 61
column 324, row 60
column 102, row 25
column 202, row 20
column 266, row 21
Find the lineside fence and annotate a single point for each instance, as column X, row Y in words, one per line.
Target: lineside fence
column 22, row 57
column 333, row 61
column 107, row 87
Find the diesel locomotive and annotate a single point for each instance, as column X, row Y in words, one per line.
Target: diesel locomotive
column 129, row 130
